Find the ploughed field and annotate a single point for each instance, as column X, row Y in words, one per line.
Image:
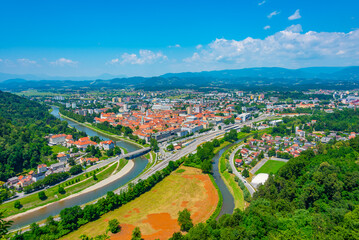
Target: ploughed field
column 156, row 211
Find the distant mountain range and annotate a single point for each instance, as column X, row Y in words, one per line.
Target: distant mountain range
column 7, row 76
column 248, row 78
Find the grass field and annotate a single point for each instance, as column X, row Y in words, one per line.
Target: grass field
column 58, row 148
column 156, row 211
column 271, row 166
column 71, row 186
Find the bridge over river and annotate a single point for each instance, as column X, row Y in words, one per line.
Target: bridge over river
column 137, row 153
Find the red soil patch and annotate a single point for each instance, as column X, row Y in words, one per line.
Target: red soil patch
column 126, row 216
column 212, row 198
column 105, row 220
column 164, row 225
column 184, row 204
column 126, row 232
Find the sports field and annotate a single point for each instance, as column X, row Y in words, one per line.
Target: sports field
column 271, row 166
column 156, row 211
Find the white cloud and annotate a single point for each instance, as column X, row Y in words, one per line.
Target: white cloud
column 25, row 61
column 261, row 3
column 114, row 61
column 144, row 57
column 295, row 16
column 273, row 14
column 266, row 27
column 175, row 46
column 199, row 46
column 64, row 62
column 288, row 48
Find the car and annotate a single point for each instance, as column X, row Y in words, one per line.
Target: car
column 245, row 181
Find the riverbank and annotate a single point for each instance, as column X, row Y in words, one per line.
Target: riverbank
column 229, row 180
column 126, row 169
column 111, row 135
column 72, row 185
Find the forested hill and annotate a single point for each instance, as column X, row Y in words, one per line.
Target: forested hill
column 314, row 196
column 23, row 125
column 21, row 110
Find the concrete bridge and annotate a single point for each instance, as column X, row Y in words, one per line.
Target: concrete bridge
column 137, row 153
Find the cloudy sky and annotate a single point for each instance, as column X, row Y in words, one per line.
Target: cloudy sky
column 89, row 38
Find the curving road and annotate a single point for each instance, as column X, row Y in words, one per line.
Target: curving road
column 235, row 171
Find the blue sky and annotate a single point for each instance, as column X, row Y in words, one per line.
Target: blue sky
column 88, row 38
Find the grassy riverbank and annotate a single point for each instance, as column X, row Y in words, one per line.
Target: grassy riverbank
column 71, row 186
column 228, row 179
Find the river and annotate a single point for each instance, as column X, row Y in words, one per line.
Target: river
column 228, row 200
column 54, row 209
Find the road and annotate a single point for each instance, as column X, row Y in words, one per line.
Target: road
column 235, row 171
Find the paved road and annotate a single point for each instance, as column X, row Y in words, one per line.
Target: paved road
column 235, row 171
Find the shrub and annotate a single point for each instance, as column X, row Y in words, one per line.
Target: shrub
column 17, row 204
column 42, row 195
column 114, row 226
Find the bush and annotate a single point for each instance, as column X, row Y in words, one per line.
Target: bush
column 17, row 204
column 114, row 226
column 61, row 190
column 42, row 196
column 75, row 170
column 184, row 220
column 236, row 179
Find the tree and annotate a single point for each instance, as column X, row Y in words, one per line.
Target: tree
column 231, row 136
column 170, row 147
column 114, row 226
column 154, row 144
column 245, row 173
column 110, row 152
column 94, row 177
column 42, row 195
column 246, row 129
column 61, row 190
column 216, row 143
column 184, row 220
column 76, row 170
column 4, row 225
column 177, row 236
column 206, row 166
column 17, row 204
column 136, row 234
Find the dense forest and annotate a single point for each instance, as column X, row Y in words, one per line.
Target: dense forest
column 314, row 196
column 23, row 126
